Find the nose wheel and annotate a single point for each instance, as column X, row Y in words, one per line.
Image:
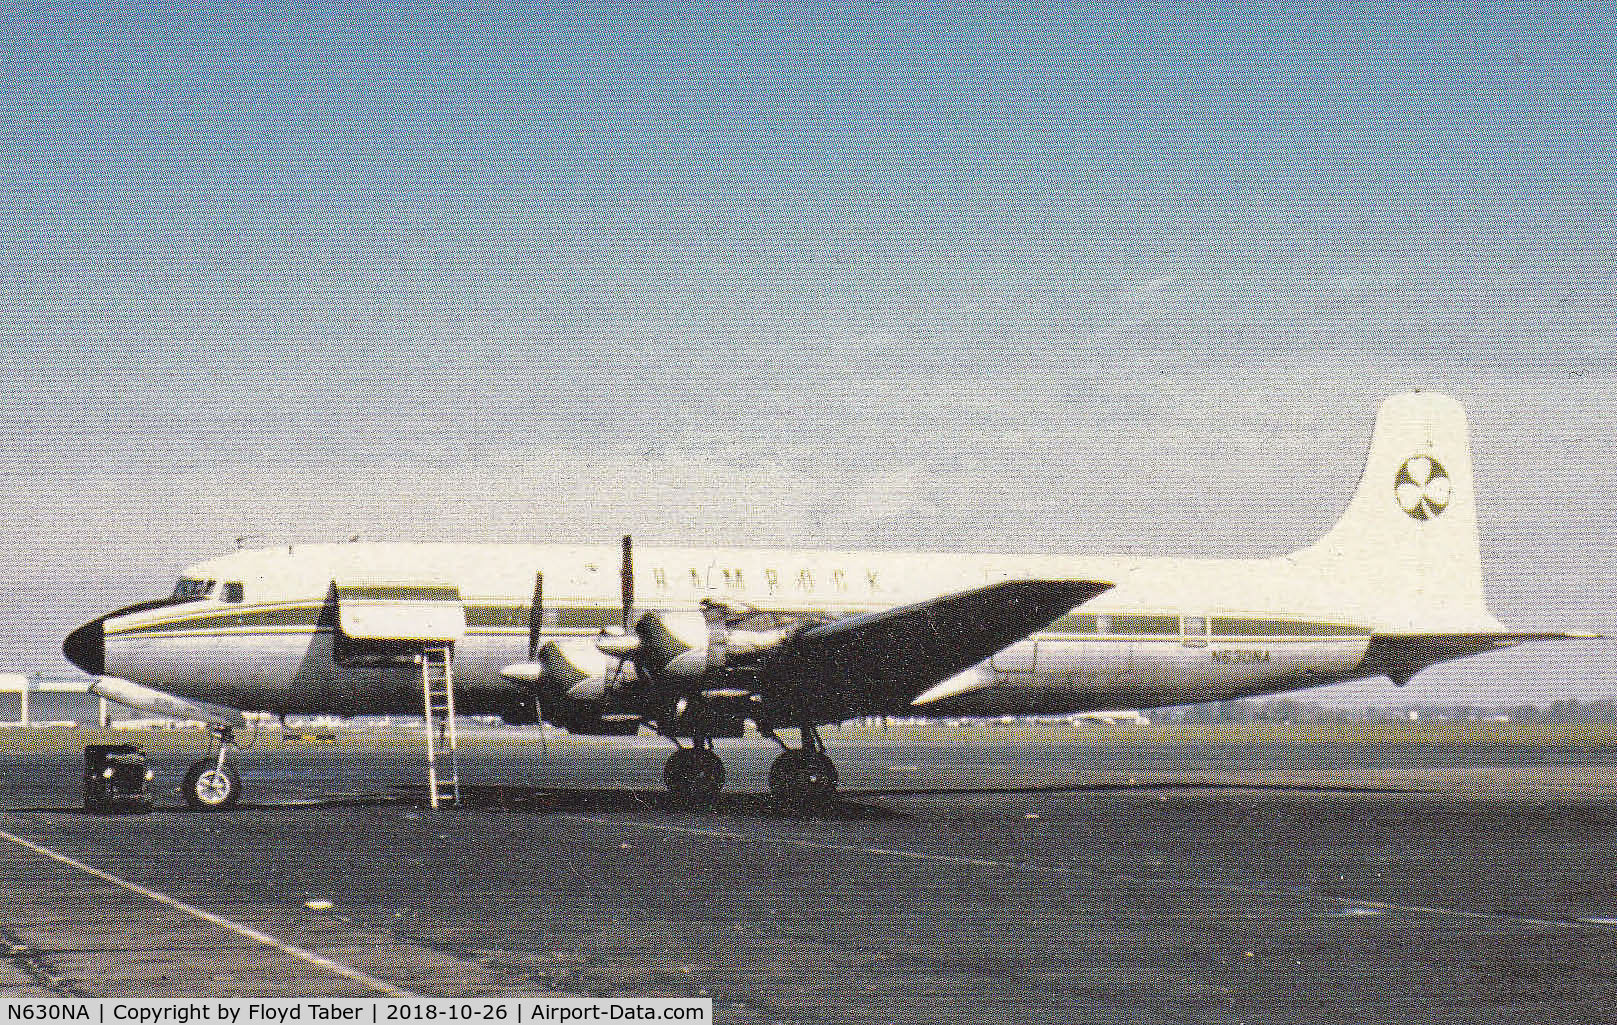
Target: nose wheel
column 212, row 784
column 803, row 774
column 694, row 773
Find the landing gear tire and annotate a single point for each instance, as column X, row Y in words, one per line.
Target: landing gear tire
column 694, row 773
column 802, row 776
column 212, row 785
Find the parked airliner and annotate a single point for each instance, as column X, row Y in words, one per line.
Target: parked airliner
column 697, row 643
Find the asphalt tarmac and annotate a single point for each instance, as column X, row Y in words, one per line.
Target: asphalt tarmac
column 967, row 880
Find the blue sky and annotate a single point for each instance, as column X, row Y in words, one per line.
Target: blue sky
column 999, row 276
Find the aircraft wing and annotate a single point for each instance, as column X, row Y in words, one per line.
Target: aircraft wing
column 879, row 661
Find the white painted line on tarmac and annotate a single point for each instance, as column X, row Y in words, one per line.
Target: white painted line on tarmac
column 246, row 932
column 1603, row 924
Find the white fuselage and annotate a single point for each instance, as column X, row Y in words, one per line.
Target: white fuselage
column 1171, row 631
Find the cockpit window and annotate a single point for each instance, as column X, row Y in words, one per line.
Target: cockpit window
column 193, row 590
column 233, row 592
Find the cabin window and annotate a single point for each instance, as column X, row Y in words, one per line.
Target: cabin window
column 870, row 577
column 660, row 577
column 234, row 592
column 189, row 589
column 1146, row 626
column 1074, row 623
column 839, row 580
column 772, row 579
column 696, row 579
column 732, row 579
column 805, row 580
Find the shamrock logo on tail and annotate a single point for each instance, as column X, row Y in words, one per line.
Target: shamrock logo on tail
column 1422, row 487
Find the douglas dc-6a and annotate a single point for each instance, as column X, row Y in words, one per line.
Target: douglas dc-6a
column 696, row 643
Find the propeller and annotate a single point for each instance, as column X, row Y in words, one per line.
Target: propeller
column 625, row 645
column 626, row 573
column 536, row 616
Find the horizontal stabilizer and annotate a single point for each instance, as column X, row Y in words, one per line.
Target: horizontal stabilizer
column 1400, row 656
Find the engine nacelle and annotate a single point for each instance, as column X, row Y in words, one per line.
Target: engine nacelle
column 684, row 645
column 665, row 637
column 567, row 662
column 573, row 668
column 690, row 644
column 579, row 669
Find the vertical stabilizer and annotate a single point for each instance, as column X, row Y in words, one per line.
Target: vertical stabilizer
column 1405, row 551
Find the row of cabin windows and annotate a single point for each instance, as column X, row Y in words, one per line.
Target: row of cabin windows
column 736, row 580
column 1196, row 626
column 1194, row 630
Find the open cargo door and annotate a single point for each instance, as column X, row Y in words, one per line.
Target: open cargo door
column 417, row 614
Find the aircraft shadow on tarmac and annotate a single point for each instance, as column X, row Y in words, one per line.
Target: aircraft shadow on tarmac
column 600, row 800
column 848, row 805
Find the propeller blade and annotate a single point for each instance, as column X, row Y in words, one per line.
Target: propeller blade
column 536, row 616
column 627, row 575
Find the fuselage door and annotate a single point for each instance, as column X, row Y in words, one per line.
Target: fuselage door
column 1194, row 631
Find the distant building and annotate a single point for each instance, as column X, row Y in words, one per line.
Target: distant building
column 54, row 698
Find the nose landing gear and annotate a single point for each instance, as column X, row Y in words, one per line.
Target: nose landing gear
column 212, row 783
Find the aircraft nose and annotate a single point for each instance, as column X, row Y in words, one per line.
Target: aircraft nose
column 86, row 647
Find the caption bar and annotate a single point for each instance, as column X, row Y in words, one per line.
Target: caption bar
column 281, row 1010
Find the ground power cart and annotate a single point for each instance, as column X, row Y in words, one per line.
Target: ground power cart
column 115, row 778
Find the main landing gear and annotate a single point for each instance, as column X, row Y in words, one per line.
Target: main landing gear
column 694, row 773
column 802, row 774
column 212, row 784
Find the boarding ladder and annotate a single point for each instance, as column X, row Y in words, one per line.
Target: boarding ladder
column 438, row 702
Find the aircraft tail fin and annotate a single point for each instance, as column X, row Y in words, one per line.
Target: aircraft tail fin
column 1406, row 548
